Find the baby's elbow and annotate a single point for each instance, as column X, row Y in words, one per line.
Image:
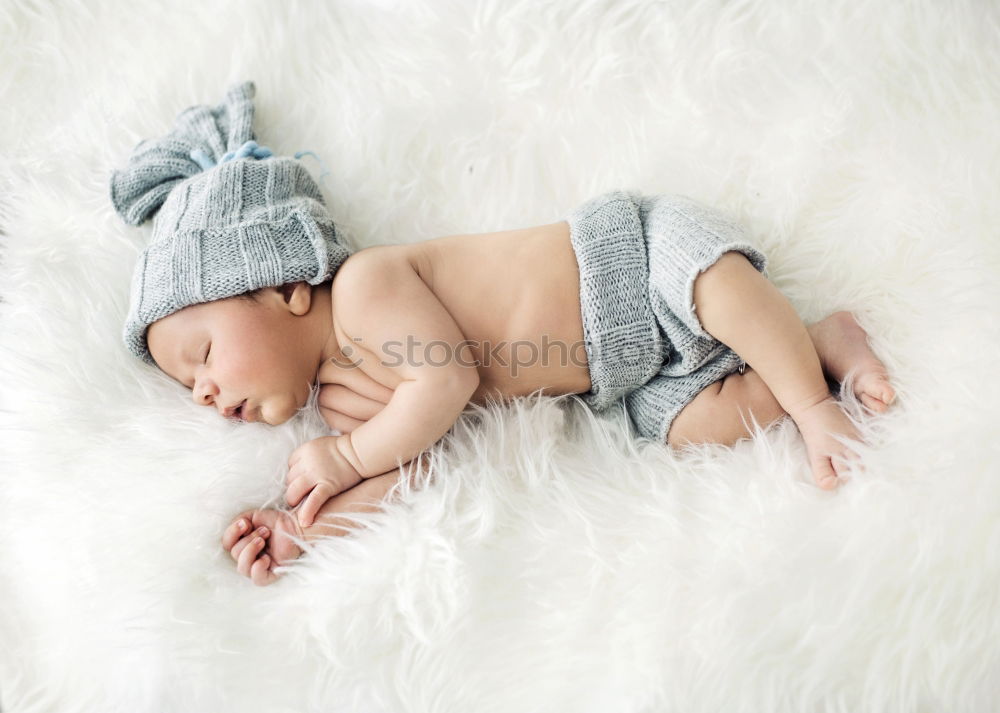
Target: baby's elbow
column 467, row 380
column 467, row 370
column 457, row 382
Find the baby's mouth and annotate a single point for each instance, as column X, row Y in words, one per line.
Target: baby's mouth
column 235, row 413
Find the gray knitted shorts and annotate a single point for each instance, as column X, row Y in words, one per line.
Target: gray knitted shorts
column 639, row 257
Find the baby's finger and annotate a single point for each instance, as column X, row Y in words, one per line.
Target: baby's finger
column 234, row 532
column 844, row 463
column 260, row 572
column 297, row 490
column 248, row 555
column 826, row 477
column 319, row 495
column 244, row 542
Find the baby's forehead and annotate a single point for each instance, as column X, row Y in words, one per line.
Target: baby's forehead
column 169, row 332
column 191, row 315
column 172, row 325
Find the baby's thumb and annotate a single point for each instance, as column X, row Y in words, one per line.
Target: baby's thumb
column 826, row 476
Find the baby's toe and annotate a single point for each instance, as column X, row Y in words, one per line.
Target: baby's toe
column 873, row 403
column 883, row 391
column 874, row 387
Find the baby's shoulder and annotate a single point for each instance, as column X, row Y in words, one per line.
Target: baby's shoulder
column 372, row 265
column 373, row 271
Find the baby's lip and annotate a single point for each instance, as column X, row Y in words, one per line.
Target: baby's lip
column 231, row 411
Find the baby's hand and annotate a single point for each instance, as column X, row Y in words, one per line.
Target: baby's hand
column 260, row 539
column 319, row 469
column 827, row 456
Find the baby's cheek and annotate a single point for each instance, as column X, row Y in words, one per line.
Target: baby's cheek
column 248, row 367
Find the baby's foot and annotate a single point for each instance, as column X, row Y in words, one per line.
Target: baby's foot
column 842, row 346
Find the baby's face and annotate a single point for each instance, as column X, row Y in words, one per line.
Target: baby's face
column 233, row 351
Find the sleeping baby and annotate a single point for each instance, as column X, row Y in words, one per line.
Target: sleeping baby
column 248, row 297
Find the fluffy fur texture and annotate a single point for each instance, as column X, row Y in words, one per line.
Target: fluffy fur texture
column 551, row 564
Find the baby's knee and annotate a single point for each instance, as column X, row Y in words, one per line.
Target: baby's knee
column 731, row 266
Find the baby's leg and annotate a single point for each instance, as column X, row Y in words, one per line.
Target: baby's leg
column 716, row 414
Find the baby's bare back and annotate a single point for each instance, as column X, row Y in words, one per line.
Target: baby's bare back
column 515, row 296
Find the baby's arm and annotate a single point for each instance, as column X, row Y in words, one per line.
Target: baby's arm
column 381, row 302
column 258, row 540
column 363, row 497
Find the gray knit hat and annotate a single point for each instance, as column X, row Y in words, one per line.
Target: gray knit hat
column 231, row 217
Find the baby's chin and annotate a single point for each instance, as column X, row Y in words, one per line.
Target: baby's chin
column 285, row 410
column 275, row 417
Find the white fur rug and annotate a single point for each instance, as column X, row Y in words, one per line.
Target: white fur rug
column 551, row 565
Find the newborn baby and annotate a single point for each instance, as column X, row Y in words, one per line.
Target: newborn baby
column 655, row 301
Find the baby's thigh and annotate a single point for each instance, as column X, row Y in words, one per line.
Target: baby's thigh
column 686, row 401
column 725, row 411
column 696, row 421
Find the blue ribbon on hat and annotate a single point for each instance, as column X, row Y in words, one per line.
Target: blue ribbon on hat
column 156, row 166
column 325, row 171
column 247, row 150
column 250, row 149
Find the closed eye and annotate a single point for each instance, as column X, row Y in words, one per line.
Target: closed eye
column 207, row 352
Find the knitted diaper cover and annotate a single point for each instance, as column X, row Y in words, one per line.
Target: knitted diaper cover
column 638, row 258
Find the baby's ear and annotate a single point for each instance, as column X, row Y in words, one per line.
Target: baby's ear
column 288, row 290
column 298, row 296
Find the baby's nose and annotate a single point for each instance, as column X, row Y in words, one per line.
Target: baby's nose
column 203, row 396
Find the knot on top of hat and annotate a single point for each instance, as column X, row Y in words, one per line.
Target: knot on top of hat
column 200, row 134
column 250, row 149
column 203, row 137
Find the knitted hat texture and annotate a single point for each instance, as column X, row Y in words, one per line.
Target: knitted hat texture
column 230, row 217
